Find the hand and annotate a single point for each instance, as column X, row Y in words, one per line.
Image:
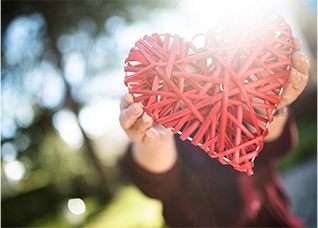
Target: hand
column 298, row 77
column 295, row 85
column 154, row 146
column 138, row 125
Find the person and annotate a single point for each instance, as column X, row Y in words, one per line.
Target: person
column 198, row 191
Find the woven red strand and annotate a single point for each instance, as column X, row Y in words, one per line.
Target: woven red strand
column 221, row 97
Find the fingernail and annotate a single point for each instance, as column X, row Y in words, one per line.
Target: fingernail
column 302, row 59
column 149, row 134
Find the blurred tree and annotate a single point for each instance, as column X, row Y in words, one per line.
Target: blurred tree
column 48, row 48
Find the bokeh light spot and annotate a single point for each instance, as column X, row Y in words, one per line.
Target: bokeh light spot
column 76, row 206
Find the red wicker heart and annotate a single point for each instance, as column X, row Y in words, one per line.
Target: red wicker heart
column 221, row 97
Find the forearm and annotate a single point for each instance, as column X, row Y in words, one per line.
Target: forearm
column 157, row 157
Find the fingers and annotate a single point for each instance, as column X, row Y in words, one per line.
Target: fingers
column 297, row 44
column 155, row 133
column 298, row 78
column 139, row 131
column 129, row 115
column 150, row 135
column 300, row 62
column 127, row 100
column 134, row 120
column 144, row 123
column 130, row 111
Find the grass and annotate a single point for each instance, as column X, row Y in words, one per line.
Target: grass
column 129, row 209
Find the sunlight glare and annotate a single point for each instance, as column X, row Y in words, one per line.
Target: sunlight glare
column 204, row 14
column 96, row 119
column 14, row 170
column 8, row 152
column 23, row 41
column 66, row 124
column 76, row 206
column 75, row 68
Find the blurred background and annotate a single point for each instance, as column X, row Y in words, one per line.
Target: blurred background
column 61, row 83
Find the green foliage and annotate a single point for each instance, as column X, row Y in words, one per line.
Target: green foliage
column 49, row 221
column 130, row 208
column 306, row 148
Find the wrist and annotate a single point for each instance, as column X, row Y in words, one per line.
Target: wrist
column 156, row 157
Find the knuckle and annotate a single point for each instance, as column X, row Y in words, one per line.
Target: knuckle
column 123, row 121
column 307, row 61
column 123, row 125
column 141, row 128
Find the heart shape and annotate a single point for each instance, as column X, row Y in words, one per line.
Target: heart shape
column 222, row 96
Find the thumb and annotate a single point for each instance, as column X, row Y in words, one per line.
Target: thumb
column 151, row 136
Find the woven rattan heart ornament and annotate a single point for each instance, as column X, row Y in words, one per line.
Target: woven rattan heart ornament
column 221, row 96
